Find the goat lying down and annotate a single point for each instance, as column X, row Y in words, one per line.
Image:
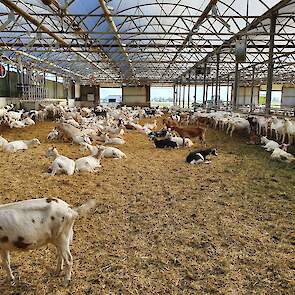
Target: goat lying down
column 106, row 151
column 3, row 142
column 199, row 156
column 269, row 145
column 18, row 145
column 61, row 164
column 34, row 223
column 89, row 163
column 165, row 143
column 281, row 155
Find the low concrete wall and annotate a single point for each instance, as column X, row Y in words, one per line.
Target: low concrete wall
column 32, row 104
column 3, row 102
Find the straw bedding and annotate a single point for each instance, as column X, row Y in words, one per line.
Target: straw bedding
column 161, row 226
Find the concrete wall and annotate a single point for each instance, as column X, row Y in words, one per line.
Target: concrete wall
column 32, row 104
column 136, row 96
column 87, row 93
column 10, row 81
column 288, row 96
column 50, row 88
column 8, row 87
column 245, row 96
column 3, row 102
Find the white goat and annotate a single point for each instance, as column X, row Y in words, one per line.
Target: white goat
column 111, row 152
column 81, row 138
column 262, row 124
column 31, row 224
column 16, row 124
column 278, row 126
column 3, row 142
column 281, row 155
column 60, row 164
column 15, row 115
column 28, row 121
column 113, row 140
column 269, row 145
column 238, row 124
column 89, row 163
column 290, row 130
column 107, row 151
column 179, row 140
column 17, row 145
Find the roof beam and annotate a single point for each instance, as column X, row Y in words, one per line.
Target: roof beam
column 117, row 36
column 42, row 27
column 241, row 33
column 152, row 46
column 196, row 25
column 49, row 63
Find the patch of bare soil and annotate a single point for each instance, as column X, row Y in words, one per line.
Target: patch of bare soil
column 161, row 226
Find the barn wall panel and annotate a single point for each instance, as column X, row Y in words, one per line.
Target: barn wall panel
column 288, row 96
column 133, row 96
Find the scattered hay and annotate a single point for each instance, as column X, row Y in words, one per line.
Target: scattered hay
column 162, row 226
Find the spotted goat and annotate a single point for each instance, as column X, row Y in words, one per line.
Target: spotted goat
column 34, row 223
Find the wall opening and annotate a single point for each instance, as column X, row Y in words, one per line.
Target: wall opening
column 110, row 96
column 276, row 98
column 224, row 91
column 161, row 96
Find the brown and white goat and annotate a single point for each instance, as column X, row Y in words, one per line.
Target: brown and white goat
column 191, row 132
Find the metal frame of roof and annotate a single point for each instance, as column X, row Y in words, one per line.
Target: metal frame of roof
column 149, row 41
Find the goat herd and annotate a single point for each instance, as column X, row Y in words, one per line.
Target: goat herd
column 33, row 223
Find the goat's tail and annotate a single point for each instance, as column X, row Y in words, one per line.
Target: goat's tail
column 86, row 207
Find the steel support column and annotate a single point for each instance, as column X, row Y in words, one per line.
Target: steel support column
column 212, row 91
column 252, row 89
column 227, row 92
column 195, row 96
column 204, row 84
column 189, row 88
column 206, row 94
column 183, row 96
column 216, row 102
column 9, row 80
column 178, row 94
column 96, row 95
column 270, row 62
column 236, row 87
column 174, row 94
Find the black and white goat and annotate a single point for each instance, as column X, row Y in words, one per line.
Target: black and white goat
column 160, row 133
column 199, row 156
column 165, row 143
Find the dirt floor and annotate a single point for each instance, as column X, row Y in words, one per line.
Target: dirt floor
column 162, row 226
